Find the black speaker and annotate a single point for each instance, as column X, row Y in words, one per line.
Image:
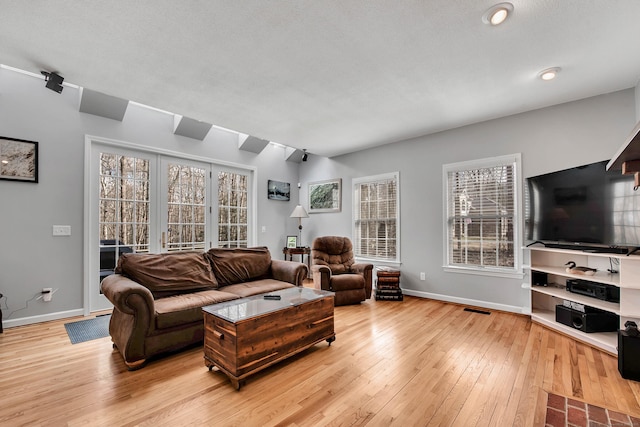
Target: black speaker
column 591, row 320
column 629, row 356
column 53, row 81
column 539, row 278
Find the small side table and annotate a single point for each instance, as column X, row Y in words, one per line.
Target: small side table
column 302, row 251
column 388, row 285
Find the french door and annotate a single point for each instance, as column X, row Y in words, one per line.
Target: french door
column 145, row 202
column 185, row 205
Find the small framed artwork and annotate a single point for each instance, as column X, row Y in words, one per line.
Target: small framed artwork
column 18, row 160
column 325, row 196
column 292, row 241
column 278, row 190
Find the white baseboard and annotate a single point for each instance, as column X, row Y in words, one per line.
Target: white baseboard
column 465, row 301
column 10, row 323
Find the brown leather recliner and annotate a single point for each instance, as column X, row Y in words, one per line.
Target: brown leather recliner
column 334, row 269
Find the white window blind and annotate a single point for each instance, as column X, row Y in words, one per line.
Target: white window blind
column 376, row 217
column 482, row 214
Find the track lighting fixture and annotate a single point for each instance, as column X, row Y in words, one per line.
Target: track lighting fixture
column 305, row 156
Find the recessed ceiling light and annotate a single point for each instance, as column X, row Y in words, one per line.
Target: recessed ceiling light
column 549, row 73
column 497, row 14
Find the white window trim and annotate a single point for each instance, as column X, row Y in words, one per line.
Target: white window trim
column 356, row 181
column 516, row 272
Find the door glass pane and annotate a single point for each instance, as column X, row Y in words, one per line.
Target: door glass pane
column 123, row 208
column 232, row 210
column 186, row 189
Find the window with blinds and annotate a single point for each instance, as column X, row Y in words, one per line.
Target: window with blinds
column 377, row 217
column 482, row 214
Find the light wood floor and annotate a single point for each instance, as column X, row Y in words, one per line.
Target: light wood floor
column 418, row 362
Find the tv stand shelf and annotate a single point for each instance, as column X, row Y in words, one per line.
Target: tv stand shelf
column 606, row 341
column 559, row 291
column 600, row 276
column 543, row 299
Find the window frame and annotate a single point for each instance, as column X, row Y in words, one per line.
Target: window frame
column 510, row 272
column 356, row 206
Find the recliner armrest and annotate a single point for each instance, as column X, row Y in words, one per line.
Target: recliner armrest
column 289, row 271
column 321, row 277
column 367, row 271
column 361, row 268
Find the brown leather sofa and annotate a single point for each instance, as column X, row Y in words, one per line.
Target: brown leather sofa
column 158, row 298
column 334, row 269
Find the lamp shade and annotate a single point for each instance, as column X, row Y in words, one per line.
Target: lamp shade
column 299, row 212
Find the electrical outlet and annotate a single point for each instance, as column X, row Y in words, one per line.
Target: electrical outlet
column 47, row 293
column 423, row 276
column 62, row 230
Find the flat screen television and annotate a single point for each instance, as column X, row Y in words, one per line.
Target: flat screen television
column 585, row 207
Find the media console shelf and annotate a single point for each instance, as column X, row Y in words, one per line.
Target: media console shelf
column 545, row 298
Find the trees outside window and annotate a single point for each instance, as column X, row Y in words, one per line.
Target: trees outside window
column 482, row 214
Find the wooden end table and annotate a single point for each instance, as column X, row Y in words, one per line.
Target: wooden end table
column 244, row 336
column 302, row 251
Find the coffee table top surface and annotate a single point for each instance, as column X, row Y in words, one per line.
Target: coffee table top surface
column 256, row 305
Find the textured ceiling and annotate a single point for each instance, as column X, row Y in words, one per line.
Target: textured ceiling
column 331, row 76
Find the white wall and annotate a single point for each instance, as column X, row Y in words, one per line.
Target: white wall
column 549, row 139
column 30, row 257
column 637, row 92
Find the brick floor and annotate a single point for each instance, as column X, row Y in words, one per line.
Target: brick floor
column 565, row 412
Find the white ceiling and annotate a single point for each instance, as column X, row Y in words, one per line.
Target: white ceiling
column 330, row 76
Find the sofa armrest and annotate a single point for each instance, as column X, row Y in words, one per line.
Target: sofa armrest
column 321, row 277
column 289, row 271
column 367, row 271
column 132, row 319
column 126, row 295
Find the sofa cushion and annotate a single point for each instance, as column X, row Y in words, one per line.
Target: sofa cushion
column 169, row 273
column 236, row 265
column 182, row 309
column 257, row 287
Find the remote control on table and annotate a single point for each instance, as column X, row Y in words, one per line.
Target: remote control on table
column 274, row 297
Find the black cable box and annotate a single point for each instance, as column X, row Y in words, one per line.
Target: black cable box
column 595, row 290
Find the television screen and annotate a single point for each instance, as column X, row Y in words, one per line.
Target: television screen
column 585, row 205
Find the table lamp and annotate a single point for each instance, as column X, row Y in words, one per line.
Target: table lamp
column 299, row 213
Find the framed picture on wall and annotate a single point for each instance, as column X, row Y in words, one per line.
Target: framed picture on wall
column 325, row 196
column 18, row 160
column 278, row 190
column 292, row 241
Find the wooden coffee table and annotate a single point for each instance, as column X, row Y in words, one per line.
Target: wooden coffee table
column 244, row 336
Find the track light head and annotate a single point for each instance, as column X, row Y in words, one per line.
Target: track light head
column 54, row 81
column 305, row 156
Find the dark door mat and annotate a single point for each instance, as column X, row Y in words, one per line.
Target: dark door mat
column 87, row 330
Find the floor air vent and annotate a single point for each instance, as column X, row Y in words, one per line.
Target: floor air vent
column 473, row 310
